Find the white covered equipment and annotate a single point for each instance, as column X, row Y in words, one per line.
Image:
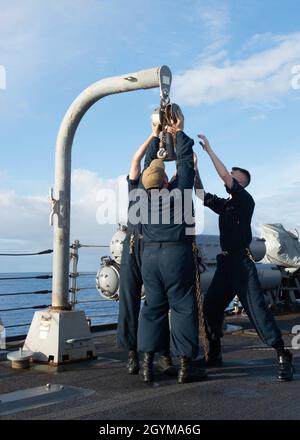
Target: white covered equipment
column 283, row 247
column 108, row 279
column 116, row 244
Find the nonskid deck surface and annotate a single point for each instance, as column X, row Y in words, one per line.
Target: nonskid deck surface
column 244, row 388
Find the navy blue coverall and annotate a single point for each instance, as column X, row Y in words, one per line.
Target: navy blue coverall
column 130, row 284
column 168, row 271
column 236, row 273
column 130, row 271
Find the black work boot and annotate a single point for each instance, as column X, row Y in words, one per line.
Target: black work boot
column 188, row 372
column 146, row 371
column 133, row 362
column 285, row 366
column 165, row 365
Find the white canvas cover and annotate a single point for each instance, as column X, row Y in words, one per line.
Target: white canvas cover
column 283, row 247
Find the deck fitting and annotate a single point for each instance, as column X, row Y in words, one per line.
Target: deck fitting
column 20, row 359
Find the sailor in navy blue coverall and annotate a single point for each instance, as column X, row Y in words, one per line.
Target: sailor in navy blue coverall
column 167, row 270
column 236, row 272
column 130, row 271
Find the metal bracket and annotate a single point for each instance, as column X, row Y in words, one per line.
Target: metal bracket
column 165, row 81
column 106, row 261
column 162, row 153
column 54, row 206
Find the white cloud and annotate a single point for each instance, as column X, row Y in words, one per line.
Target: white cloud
column 24, row 220
column 85, row 189
column 264, row 41
column 262, row 77
column 24, row 223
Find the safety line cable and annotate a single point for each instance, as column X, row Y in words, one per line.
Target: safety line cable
column 50, row 251
column 37, row 277
column 47, row 251
column 25, row 308
column 36, row 292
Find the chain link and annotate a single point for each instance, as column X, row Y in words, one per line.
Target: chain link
column 199, row 298
column 131, row 244
column 166, row 121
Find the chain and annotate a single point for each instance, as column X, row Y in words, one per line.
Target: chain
column 131, row 244
column 162, row 153
column 166, row 121
column 249, row 255
column 169, row 116
column 199, row 298
column 163, row 137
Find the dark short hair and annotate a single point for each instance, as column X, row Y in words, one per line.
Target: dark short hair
column 245, row 172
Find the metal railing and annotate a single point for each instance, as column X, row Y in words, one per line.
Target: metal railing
column 74, row 289
column 290, row 287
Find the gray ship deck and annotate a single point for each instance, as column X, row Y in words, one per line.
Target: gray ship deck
column 244, row 388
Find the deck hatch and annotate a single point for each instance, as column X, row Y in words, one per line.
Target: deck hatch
column 31, row 398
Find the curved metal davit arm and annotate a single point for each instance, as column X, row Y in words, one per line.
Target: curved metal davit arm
column 145, row 79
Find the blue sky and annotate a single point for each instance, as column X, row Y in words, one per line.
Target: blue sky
column 231, row 62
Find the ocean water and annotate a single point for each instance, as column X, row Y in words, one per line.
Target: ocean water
column 16, row 322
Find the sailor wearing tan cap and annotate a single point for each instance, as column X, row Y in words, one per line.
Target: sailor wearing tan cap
column 130, row 271
column 167, row 263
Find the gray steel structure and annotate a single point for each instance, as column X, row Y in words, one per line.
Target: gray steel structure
column 145, row 79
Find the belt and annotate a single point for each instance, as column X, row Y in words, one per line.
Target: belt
column 134, row 234
column 166, row 243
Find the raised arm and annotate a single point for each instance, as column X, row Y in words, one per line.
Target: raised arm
column 198, row 185
column 219, row 166
column 212, row 201
column 184, row 153
column 147, row 147
column 153, row 148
